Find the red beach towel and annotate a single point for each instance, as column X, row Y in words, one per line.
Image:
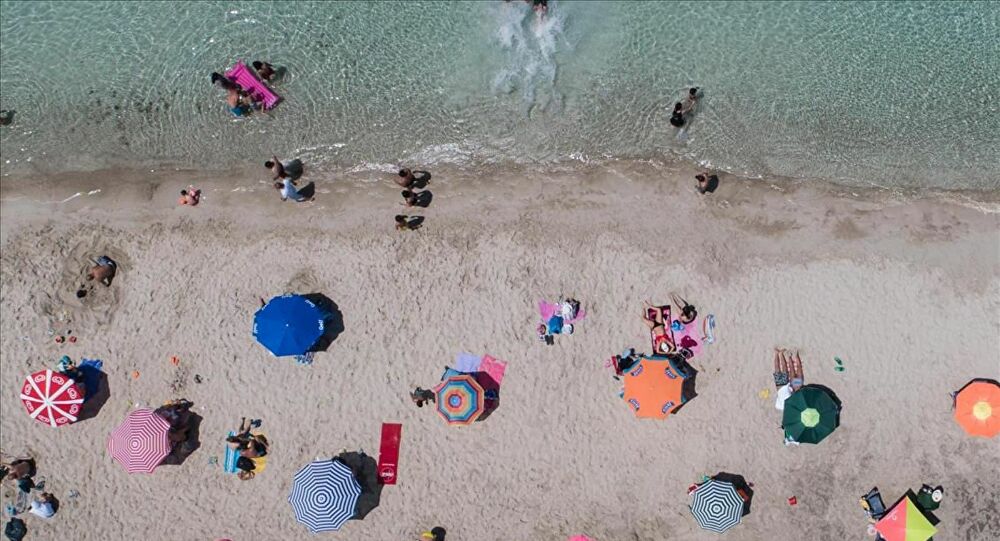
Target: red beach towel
column 388, row 452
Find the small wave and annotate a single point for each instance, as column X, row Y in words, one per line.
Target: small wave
column 530, row 41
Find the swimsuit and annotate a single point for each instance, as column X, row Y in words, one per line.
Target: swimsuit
column 239, row 110
column 677, row 120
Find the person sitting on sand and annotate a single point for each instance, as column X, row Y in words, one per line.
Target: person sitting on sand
column 246, row 467
column 103, row 271
column 44, row 506
column 288, row 191
column 408, row 223
column 21, row 468
column 276, row 167
column 409, row 179
column 419, row 396
column 662, row 342
column 69, row 369
column 190, row 196
column 437, row 533
column 264, row 70
column 677, row 117
column 688, row 313
column 707, row 182
column 690, row 101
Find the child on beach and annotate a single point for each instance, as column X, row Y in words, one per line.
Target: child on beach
column 707, row 183
column 103, row 271
column 419, row 396
column 190, row 196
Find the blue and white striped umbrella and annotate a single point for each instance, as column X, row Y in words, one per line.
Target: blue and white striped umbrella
column 717, row 506
column 324, row 495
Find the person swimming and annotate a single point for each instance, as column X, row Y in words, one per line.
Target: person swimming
column 677, row 118
column 264, row 70
column 238, row 101
column 690, row 101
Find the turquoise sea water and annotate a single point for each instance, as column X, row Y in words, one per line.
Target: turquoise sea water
column 891, row 94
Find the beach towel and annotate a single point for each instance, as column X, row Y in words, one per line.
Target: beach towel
column 549, row 309
column 248, row 81
column 467, row 362
column 91, row 370
column 688, row 336
column 229, row 464
column 493, row 368
column 388, row 452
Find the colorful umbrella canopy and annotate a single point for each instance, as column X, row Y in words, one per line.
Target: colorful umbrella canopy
column 905, row 522
column 51, row 398
column 977, row 408
column 140, row 443
column 289, row 325
column 460, row 399
column 654, row 387
column 811, row 414
column 717, row 505
column 324, row 495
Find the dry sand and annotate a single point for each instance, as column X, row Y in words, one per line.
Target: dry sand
column 903, row 289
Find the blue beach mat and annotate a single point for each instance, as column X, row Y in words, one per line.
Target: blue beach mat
column 91, row 369
column 229, row 464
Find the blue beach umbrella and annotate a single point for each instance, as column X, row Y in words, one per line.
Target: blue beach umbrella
column 288, row 325
column 324, row 495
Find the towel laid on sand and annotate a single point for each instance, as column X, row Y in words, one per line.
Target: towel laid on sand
column 549, row 309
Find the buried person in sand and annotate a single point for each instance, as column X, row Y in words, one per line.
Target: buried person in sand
column 103, row 271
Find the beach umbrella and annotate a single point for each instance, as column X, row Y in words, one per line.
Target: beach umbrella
column 140, row 443
column 811, row 414
column 654, row 387
column 460, row 399
column 324, row 495
column 51, row 398
column 977, row 408
column 718, row 505
column 905, row 522
column 289, row 325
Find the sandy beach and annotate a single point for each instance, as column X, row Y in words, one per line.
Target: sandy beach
column 903, row 288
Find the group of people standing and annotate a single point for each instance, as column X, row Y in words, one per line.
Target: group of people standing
column 415, row 194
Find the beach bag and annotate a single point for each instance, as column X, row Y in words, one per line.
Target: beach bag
column 570, row 308
column 15, row 530
column 555, row 325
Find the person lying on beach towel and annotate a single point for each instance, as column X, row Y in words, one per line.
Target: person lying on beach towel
column 688, row 312
column 662, row 341
column 788, row 376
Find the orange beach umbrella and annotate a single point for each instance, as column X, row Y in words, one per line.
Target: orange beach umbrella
column 654, row 387
column 977, row 408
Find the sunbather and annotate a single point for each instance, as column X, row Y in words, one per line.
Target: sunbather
column 788, row 370
column 662, row 342
column 247, row 468
column 688, row 313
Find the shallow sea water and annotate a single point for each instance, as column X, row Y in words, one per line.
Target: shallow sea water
column 889, row 94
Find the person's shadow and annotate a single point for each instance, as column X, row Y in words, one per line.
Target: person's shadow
column 308, row 191
column 420, row 179
column 333, row 322
column 186, row 448
column 422, row 199
column 365, row 470
column 415, row 222
column 97, row 392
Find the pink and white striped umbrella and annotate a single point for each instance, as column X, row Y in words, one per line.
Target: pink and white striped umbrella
column 140, row 443
column 51, row 398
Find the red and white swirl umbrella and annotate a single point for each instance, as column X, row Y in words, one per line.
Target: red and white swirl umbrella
column 140, row 443
column 51, row 398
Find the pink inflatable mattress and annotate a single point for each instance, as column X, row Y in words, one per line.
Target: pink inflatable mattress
column 248, row 81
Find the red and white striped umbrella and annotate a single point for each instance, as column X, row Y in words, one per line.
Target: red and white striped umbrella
column 140, row 443
column 51, row 398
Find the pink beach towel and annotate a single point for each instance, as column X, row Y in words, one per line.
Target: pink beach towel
column 494, row 368
column 548, row 309
column 689, row 337
column 249, row 82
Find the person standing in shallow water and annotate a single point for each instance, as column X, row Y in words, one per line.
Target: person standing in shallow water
column 677, row 117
